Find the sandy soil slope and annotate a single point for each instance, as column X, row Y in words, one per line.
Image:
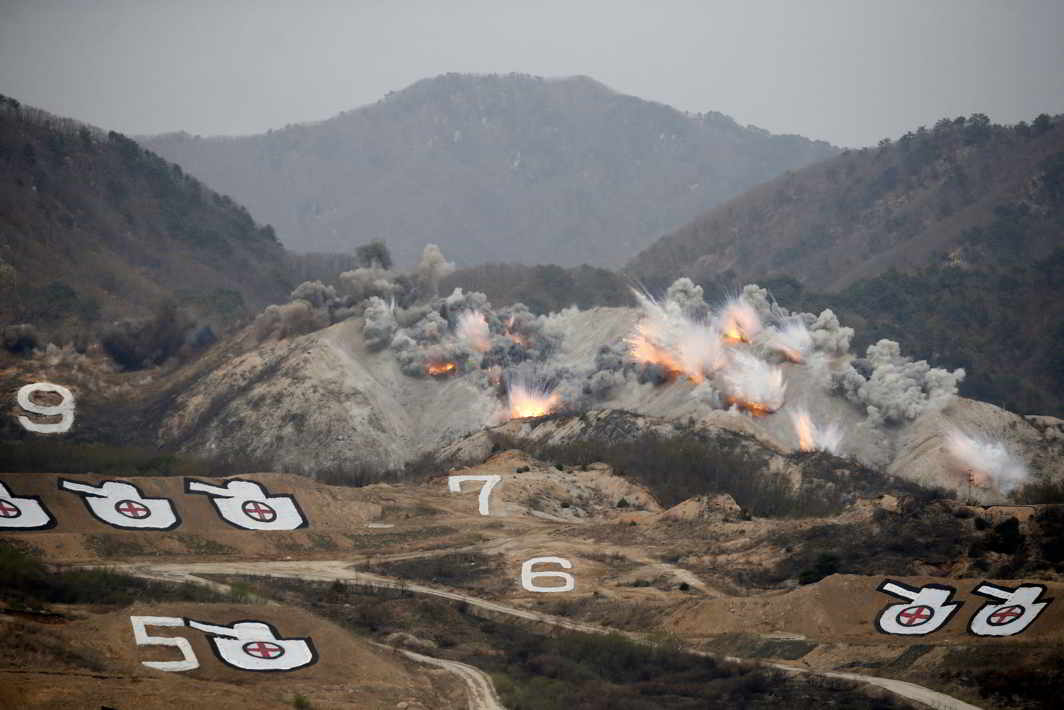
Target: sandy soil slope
column 349, row 673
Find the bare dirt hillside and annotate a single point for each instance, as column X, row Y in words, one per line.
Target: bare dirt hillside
column 348, row 673
column 703, row 570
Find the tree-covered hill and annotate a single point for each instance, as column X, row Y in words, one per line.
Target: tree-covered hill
column 966, row 191
column 95, row 228
column 493, row 169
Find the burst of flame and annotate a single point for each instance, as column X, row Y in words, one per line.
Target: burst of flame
column 440, row 369
column 670, row 339
column 754, row 409
column 472, row 328
column 814, row 438
column 792, row 340
column 754, row 385
column 528, row 401
column 738, row 321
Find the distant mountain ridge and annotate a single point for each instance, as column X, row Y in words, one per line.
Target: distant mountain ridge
column 990, row 191
column 508, row 168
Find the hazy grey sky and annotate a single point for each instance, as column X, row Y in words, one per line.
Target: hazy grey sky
column 846, row 71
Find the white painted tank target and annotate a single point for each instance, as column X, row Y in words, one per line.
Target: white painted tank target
column 528, row 577
column 122, row 505
column 249, row 506
column 64, row 410
column 454, row 485
column 141, row 637
column 925, row 610
column 1011, row 610
column 23, row 512
column 256, row 646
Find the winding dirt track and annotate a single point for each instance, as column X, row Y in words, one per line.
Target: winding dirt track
column 482, row 692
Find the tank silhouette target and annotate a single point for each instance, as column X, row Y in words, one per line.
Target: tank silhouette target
column 249, row 506
column 256, row 646
column 926, row 609
column 1010, row 611
column 23, row 512
column 122, row 505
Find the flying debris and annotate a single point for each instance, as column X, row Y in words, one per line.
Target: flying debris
column 814, row 438
column 531, row 401
column 986, row 463
column 739, row 321
column 792, row 340
column 472, row 329
column 753, row 384
column 669, row 337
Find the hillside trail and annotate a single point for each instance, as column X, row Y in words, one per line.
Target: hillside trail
column 340, row 570
column 482, row 695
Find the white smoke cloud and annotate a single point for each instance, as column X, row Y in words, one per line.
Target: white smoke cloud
column 985, row 461
column 472, row 329
column 753, row 383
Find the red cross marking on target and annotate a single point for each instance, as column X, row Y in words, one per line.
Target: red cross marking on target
column 1005, row 615
column 263, row 649
column 258, row 510
column 9, row 509
column 915, row 615
column 132, row 509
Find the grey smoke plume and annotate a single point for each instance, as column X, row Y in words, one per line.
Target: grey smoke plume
column 828, row 335
column 289, row 320
column 433, row 268
column 896, row 389
column 380, row 324
column 366, row 282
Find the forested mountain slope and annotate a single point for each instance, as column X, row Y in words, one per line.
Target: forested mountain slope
column 492, row 168
column 93, row 228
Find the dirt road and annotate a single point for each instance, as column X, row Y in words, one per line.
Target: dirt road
column 482, row 694
column 340, row 570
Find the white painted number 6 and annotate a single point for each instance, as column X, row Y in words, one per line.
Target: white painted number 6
column 140, row 635
column 528, row 577
column 454, row 484
column 64, row 410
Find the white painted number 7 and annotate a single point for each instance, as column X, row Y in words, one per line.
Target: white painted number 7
column 454, row 484
column 140, row 635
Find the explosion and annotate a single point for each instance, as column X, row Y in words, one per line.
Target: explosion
column 792, row 340
column 441, row 369
column 472, row 329
column 754, row 385
column 529, row 401
column 813, row 438
column 670, row 338
column 739, row 321
column 986, row 463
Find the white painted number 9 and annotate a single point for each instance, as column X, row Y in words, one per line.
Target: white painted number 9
column 454, row 484
column 64, row 410
column 528, row 577
column 140, row 635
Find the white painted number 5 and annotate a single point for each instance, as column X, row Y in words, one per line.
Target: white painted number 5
column 454, row 484
column 528, row 577
column 64, row 410
column 140, row 635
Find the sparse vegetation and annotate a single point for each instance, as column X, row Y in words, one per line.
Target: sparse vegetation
column 691, row 463
column 571, row 670
column 26, row 582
